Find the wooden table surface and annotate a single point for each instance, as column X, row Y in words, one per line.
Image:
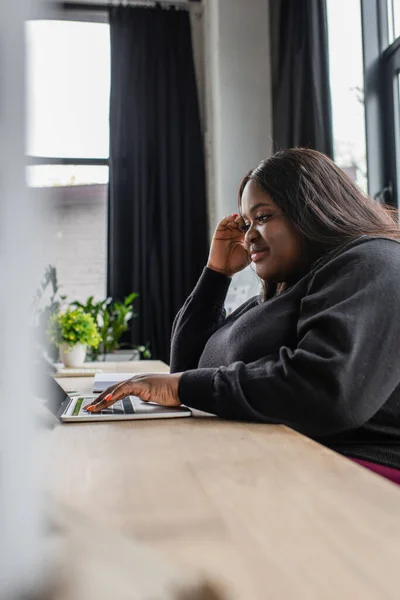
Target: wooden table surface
column 264, row 511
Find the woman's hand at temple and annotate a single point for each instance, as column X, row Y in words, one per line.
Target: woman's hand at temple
column 160, row 388
column 227, row 253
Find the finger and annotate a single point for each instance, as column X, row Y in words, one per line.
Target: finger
column 134, row 387
column 107, row 399
column 235, row 224
column 112, row 390
column 101, row 396
column 240, row 223
column 226, row 220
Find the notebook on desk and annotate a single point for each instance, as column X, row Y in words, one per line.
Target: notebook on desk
column 70, row 409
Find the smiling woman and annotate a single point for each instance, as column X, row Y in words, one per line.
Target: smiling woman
column 315, row 206
column 306, row 357
column 272, row 242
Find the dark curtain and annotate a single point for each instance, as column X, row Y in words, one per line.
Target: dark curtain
column 157, row 199
column 302, row 113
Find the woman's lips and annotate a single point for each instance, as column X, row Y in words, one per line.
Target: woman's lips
column 256, row 256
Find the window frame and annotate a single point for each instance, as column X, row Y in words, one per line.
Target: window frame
column 391, row 101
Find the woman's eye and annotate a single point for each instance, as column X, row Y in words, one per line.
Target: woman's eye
column 260, row 219
column 263, row 218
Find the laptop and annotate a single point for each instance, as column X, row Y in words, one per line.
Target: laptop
column 69, row 409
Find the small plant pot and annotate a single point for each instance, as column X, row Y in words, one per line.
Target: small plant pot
column 73, row 356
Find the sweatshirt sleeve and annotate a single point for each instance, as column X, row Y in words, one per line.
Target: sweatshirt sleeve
column 346, row 363
column 201, row 315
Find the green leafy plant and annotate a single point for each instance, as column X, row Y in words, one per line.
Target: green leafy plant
column 74, row 326
column 112, row 319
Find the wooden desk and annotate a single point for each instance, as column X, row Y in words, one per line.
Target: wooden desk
column 260, row 508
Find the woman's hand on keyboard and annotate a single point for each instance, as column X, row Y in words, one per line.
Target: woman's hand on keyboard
column 160, row 388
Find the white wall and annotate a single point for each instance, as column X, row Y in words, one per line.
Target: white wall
column 238, row 106
column 76, row 230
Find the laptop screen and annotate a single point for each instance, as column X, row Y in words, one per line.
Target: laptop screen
column 56, row 398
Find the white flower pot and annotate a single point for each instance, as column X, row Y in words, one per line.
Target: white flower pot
column 73, row 356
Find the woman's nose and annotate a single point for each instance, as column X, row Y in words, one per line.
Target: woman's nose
column 251, row 234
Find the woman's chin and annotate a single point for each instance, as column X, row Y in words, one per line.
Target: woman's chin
column 263, row 272
column 269, row 276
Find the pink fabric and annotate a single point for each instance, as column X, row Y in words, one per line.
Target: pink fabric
column 387, row 472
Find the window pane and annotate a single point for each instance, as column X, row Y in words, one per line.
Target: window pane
column 65, row 175
column 397, row 132
column 394, row 19
column 68, row 88
column 347, row 88
column 390, row 21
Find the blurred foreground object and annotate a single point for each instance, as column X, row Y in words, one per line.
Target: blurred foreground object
column 100, row 564
column 21, row 525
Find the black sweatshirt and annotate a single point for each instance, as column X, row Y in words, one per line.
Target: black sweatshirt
column 322, row 357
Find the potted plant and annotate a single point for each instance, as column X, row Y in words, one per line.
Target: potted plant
column 112, row 319
column 72, row 332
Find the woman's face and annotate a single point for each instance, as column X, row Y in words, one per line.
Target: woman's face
column 273, row 244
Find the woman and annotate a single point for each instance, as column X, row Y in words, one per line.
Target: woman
column 320, row 351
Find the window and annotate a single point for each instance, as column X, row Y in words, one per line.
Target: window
column 67, row 145
column 347, row 88
column 381, row 54
column 69, row 86
column 390, row 98
column 364, row 56
column 393, row 18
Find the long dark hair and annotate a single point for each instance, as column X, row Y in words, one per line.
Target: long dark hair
column 320, row 201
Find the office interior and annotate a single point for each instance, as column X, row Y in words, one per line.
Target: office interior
column 127, row 129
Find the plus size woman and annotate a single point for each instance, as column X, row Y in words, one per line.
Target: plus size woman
column 319, row 349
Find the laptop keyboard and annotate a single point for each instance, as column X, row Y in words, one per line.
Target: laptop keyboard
column 121, row 407
column 127, row 406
